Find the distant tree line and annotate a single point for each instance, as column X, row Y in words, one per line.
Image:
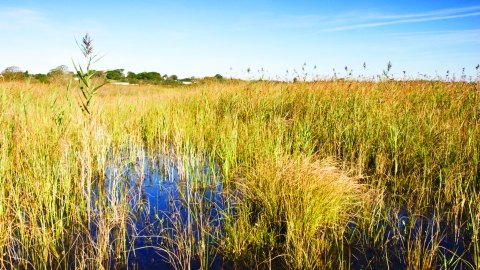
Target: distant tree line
column 145, row 77
column 59, row 74
column 62, row 74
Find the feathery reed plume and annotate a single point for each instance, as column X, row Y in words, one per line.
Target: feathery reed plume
column 87, row 88
column 385, row 72
column 86, row 45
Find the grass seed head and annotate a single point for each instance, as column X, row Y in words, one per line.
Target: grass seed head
column 86, row 46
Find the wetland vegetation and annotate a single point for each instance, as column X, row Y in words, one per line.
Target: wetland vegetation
column 305, row 175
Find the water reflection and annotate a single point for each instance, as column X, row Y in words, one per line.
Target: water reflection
column 174, row 205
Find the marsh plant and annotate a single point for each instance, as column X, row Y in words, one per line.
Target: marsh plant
column 87, row 87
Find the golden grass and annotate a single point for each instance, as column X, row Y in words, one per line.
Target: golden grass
column 412, row 144
column 298, row 206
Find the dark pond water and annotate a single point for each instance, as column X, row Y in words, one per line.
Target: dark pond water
column 175, row 212
column 404, row 234
column 176, row 220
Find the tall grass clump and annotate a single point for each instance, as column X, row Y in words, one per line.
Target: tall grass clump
column 294, row 214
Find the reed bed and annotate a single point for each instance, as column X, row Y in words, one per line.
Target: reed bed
column 328, row 174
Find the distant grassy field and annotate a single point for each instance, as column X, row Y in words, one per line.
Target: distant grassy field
column 330, row 174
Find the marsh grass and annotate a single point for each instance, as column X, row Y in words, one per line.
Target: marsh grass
column 311, row 173
column 297, row 209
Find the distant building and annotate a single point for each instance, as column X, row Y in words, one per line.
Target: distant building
column 120, row 83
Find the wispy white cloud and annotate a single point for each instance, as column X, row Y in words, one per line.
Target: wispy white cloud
column 377, row 24
column 435, row 13
column 354, row 19
column 15, row 18
column 439, row 37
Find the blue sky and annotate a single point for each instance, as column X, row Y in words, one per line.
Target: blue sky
column 203, row 38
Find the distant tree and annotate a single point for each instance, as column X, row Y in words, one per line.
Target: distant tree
column 218, row 76
column 12, row 69
column 149, row 76
column 155, row 76
column 13, row 73
column 142, row 76
column 60, row 70
column 116, row 74
column 59, row 74
column 131, row 75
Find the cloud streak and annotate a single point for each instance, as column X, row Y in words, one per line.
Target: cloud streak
column 439, row 37
column 443, row 12
column 377, row 24
column 349, row 20
column 14, row 18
